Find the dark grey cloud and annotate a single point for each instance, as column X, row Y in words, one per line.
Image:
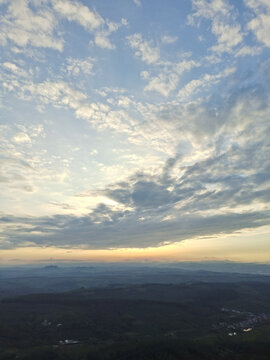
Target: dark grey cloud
column 143, row 193
column 130, row 231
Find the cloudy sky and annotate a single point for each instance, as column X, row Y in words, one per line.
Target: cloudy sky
column 135, row 129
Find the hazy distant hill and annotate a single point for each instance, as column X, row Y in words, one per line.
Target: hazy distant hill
column 53, row 278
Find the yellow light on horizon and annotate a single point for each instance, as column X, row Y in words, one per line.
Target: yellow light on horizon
column 246, row 246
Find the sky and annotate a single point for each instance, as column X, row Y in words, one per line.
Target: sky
column 134, row 130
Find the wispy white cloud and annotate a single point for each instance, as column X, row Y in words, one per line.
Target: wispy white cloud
column 32, row 23
column 144, row 49
column 167, row 39
column 248, row 50
column 79, row 66
column 260, row 25
column 224, row 26
column 185, row 65
column 102, row 41
column 15, row 69
column 102, row 35
column 56, row 93
column 115, row 114
column 163, row 83
column 23, row 26
column 207, row 80
column 209, row 9
column 228, row 36
column 90, row 20
column 137, row 2
column 21, row 138
column 167, row 79
column 75, row 11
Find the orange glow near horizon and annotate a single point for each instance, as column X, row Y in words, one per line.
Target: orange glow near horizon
column 235, row 247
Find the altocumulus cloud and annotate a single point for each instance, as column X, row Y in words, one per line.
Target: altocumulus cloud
column 224, row 190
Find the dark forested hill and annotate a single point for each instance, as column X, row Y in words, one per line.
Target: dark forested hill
column 197, row 320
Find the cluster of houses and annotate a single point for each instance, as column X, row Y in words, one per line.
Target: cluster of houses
column 246, row 324
column 68, row 342
column 61, row 342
